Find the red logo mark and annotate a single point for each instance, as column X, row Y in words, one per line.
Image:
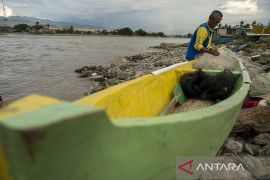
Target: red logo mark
column 181, row 167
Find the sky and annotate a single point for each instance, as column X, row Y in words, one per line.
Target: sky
column 169, row 16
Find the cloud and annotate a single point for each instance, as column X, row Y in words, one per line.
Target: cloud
column 245, row 7
column 8, row 11
column 169, row 16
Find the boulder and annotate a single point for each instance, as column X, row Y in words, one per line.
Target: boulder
column 98, row 78
column 84, row 74
column 264, row 60
column 262, row 139
column 251, row 148
column 233, row 145
column 242, row 47
column 257, row 166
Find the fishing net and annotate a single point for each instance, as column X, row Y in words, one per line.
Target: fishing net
column 224, row 61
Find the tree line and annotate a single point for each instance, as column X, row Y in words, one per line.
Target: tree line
column 122, row 31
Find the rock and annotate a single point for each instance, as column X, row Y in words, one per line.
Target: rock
column 98, row 78
column 240, row 52
column 255, row 58
column 78, row 70
column 257, row 166
column 184, row 45
column 264, row 60
column 112, row 72
column 124, row 66
column 266, row 53
column 158, row 64
column 252, row 149
column 96, row 88
column 84, row 74
column 122, row 75
column 265, row 151
column 135, row 58
column 262, row 139
column 139, row 74
column 112, row 65
column 85, row 68
column 233, row 145
column 168, row 63
column 248, row 50
column 266, row 69
column 168, row 45
column 242, row 47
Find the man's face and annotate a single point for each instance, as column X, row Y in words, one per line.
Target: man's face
column 216, row 21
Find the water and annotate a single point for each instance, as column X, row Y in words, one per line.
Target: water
column 44, row 64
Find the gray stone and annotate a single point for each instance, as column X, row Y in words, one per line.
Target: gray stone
column 266, row 53
column 84, row 74
column 139, row 74
column 169, row 45
column 112, row 72
column 98, row 78
column 249, row 50
column 262, row 139
column 258, row 166
column 252, row 149
column 242, row 47
column 264, row 60
column 265, row 151
column 122, row 75
column 233, row 145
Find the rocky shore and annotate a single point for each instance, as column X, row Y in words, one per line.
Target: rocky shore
column 131, row 67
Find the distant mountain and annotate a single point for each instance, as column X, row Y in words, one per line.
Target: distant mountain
column 13, row 20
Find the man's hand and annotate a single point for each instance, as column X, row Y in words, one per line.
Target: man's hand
column 214, row 52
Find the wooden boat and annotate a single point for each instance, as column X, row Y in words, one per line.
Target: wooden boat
column 258, row 29
column 116, row 133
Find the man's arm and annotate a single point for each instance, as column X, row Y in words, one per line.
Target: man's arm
column 200, row 38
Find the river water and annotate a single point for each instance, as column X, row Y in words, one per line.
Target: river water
column 45, row 64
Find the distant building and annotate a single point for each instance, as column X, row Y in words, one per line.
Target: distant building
column 87, row 30
column 226, row 31
column 51, row 28
column 243, row 29
column 84, row 29
column 6, row 29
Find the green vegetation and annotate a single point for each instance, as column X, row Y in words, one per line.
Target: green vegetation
column 37, row 27
column 124, row 31
column 21, row 28
column 140, row 32
column 53, row 29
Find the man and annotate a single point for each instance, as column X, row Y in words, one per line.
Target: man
column 201, row 39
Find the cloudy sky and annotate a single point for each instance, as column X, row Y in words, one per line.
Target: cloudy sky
column 170, row 16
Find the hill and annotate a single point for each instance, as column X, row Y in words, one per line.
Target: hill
column 13, row 20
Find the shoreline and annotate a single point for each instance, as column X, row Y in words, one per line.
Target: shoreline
column 166, row 54
column 68, row 34
column 131, row 67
